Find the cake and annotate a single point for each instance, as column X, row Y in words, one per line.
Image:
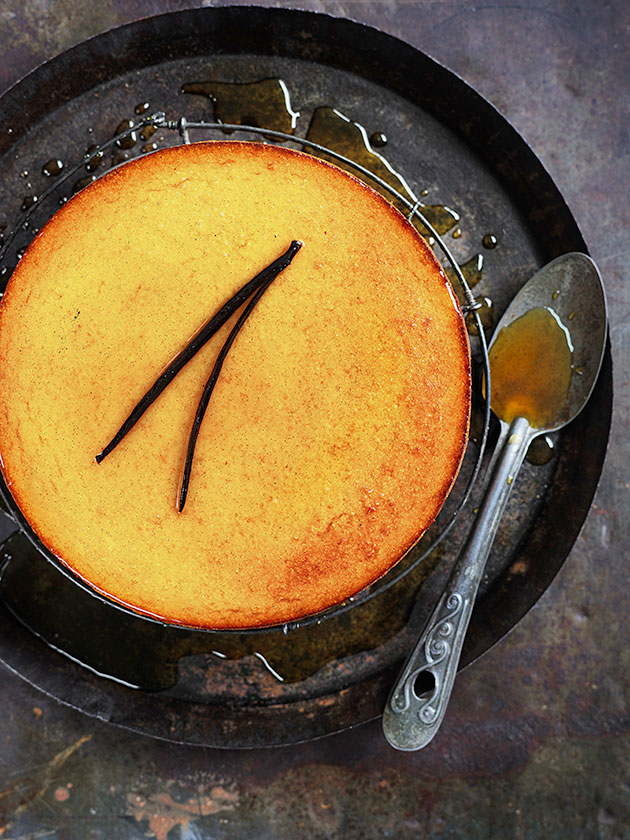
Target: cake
column 338, row 421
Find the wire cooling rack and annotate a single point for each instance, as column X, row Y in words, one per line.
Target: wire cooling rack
column 39, row 209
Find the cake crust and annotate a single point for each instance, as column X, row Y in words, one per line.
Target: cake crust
column 337, row 425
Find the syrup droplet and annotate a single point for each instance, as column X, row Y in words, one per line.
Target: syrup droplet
column 264, row 104
column 24, row 173
column 148, row 147
column 142, row 108
column 94, row 162
column 28, row 201
column 457, row 233
column 129, row 140
column 52, row 167
column 489, row 241
column 540, row 450
column 147, row 132
column 378, row 139
column 530, row 365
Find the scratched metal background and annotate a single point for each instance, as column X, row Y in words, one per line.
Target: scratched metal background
column 536, row 740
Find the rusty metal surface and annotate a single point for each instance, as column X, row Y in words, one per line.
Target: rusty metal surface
column 536, row 740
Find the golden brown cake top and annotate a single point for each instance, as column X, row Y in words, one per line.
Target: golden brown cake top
column 337, row 424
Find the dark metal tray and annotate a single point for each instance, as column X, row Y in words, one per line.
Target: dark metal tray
column 221, row 690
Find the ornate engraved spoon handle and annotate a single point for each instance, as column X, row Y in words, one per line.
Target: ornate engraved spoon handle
column 418, row 701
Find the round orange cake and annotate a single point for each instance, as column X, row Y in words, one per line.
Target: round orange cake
column 338, row 422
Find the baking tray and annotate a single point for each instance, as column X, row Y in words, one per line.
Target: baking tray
column 455, row 150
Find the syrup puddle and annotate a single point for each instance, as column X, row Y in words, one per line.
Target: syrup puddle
column 264, row 104
column 145, row 654
column 541, row 450
column 332, row 129
column 271, row 670
column 472, row 269
column 52, row 167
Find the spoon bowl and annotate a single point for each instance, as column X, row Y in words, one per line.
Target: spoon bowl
column 561, row 309
column 570, row 288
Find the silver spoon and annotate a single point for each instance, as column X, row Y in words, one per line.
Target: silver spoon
column 565, row 300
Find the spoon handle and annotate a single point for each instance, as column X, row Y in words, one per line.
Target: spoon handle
column 417, row 704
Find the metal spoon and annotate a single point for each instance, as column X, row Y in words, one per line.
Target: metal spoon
column 571, row 291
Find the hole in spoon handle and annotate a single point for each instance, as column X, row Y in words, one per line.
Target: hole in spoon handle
column 412, row 718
